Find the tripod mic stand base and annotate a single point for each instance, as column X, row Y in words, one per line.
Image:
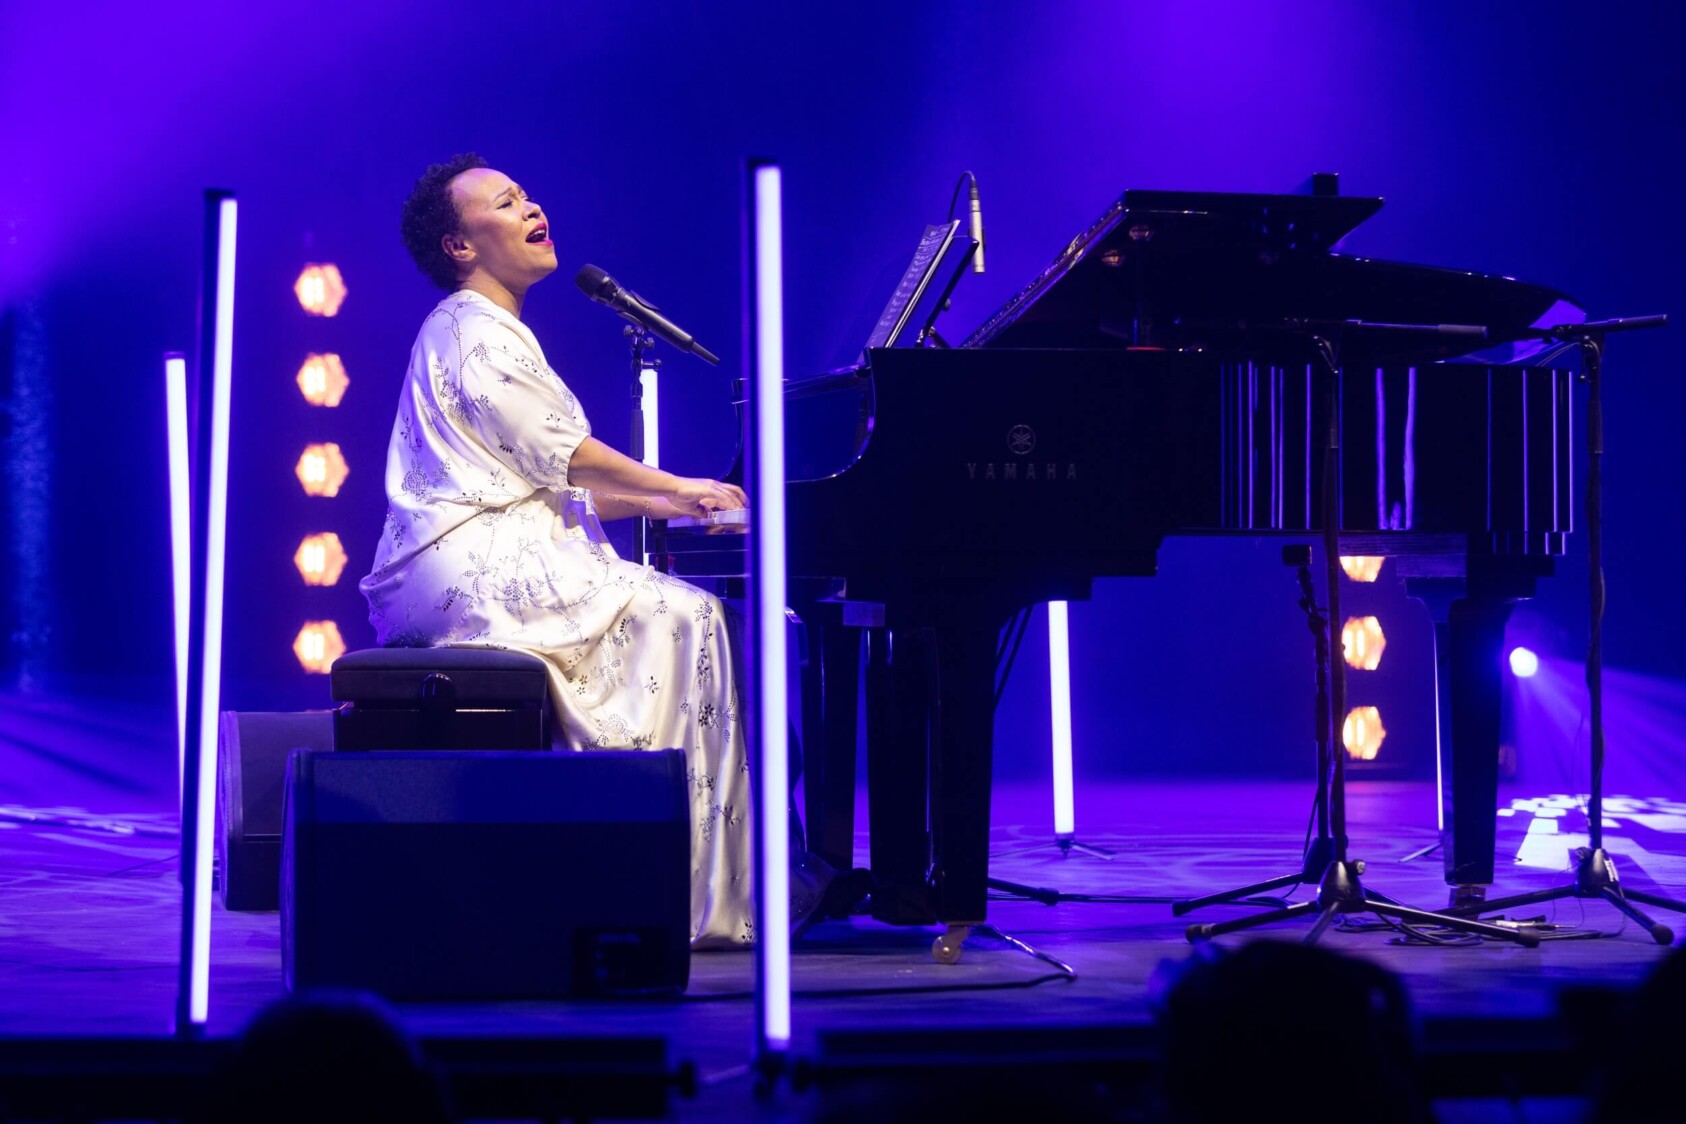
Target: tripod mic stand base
column 1068, row 843
column 1595, row 877
column 1340, row 891
column 1318, row 855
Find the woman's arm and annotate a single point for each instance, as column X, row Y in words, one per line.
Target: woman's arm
column 596, row 466
column 610, row 506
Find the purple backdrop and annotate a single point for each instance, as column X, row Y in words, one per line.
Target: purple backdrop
column 1532, row 139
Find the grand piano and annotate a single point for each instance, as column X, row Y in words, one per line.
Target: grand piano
column 1158, row 378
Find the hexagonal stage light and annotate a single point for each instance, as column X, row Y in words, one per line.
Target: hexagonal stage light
column 1363, row 733
column 1362, row 643
column 318, row 645
column 320, row 559
column 322, row 469
column 322, row 379
column 1361, row 567
column 320, row 289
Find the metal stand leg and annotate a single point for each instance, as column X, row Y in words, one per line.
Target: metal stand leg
column 1595, row 877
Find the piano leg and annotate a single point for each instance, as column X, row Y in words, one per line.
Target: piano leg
column 830, row 698
column 1469, row 637
column 930, row 741
column 899, row 684
column 962, row 750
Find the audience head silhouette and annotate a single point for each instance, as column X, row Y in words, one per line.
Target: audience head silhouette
column 327, row 1057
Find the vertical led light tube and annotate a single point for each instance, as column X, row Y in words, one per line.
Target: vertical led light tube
column 1059, row 703
column 175, row 433
column 652, row 418
column 769, row 731
column 209, row 500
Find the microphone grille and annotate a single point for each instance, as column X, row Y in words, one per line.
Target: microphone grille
column 593, row 281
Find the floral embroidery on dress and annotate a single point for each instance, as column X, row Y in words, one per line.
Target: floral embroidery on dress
column 612, row 730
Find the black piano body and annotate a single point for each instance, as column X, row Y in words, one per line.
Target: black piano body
column 1156, row 380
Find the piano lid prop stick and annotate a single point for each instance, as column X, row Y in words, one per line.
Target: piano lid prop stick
column 769, row 741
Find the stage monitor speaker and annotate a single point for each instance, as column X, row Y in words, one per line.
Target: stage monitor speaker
column 252, row 749
column 487, row 875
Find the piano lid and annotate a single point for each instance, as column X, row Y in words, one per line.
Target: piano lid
column 1175, row 269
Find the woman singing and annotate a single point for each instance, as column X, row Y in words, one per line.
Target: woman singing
column 495, row 489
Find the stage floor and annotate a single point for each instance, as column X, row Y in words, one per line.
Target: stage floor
column 89, row 926
column 88, row 923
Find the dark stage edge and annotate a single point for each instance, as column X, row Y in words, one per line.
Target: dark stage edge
column 88, row 924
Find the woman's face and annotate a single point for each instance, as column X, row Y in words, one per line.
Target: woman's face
column 503, row 232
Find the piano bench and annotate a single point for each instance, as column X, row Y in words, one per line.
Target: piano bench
column 440, row 698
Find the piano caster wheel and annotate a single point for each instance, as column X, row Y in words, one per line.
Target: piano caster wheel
column 1466, row 898
column 946, row 949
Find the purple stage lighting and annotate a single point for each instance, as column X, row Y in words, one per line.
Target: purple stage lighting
column 1523, row 663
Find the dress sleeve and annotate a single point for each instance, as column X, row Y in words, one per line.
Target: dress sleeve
column 519, row 408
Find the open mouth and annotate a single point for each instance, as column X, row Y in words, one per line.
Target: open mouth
column 540, row 235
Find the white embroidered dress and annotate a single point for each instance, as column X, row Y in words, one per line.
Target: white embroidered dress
column 485, row 544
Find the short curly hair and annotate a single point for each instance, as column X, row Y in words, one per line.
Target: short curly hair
column 430, row 214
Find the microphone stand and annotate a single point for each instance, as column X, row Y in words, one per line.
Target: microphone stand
column 1595, row 870
column 641, row 341
column 1339, row 890
column 1320, row 849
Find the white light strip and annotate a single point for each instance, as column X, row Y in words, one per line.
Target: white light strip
column 652, row 416
column 1439, row 743
column 1059, row 701
column 773, row 939
column 222, row 365
column 181, row 564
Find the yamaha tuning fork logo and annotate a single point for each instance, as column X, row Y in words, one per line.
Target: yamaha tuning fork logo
column 1021, row 442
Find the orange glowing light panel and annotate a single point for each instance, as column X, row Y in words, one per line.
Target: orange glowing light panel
column 318, row 645
column 1362, row 568
column 1362, row 643
column 322, row 380
column 320, row 289
column 320, row 559
column 322, row 469
column 1362, row 733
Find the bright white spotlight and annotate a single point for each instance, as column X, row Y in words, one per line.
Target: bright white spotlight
column 1523, row 663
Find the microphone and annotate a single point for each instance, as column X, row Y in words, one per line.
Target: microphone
column 977, row 228
column 603, row 289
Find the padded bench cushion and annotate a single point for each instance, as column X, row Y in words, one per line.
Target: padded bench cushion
column 481, row 677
